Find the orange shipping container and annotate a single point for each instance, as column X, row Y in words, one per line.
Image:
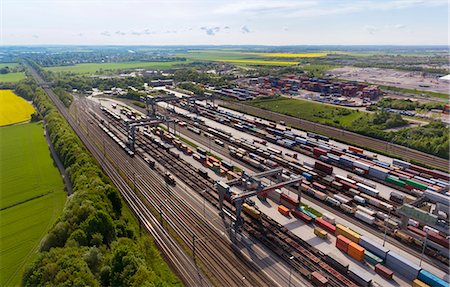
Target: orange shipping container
column 356, row 251
column 213, row 159
column 355, row 149
column 283, row 210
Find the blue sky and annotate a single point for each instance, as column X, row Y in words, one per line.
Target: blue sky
column 276, row 22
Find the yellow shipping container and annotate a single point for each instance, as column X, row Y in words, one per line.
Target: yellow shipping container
column 356, row 251
column 347, row 232
column 320, row 232
column 418, row 283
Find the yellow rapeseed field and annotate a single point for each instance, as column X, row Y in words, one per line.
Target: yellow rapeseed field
column 293, row 55
column 259, row 62
column 13, row 109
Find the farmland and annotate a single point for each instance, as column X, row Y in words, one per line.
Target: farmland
column 13, row 109
column 92, row 68
column 248, row 58
column 11, row 77
column 30, row 187
column 259, row 62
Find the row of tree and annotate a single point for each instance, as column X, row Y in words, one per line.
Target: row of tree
column 94, row 242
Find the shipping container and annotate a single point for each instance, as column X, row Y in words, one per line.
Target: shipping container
column 319, row 232
column 418, row 283
column 364, row 217
column 318, row 279
column 402, row 266
column 347, row 232
column 328, row 218
column 374, row 247
column 371, row 258
column 431, row 279
column 342, row 243
column 325, row 225
column 289, row 201
column 283, row 210
column 383, row 271
column 326, row 168
column 363, row 278
column 301, row 215
column 367, row 189
column 337, row 263
column 355, row 251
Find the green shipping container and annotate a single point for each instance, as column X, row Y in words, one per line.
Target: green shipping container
column 416, row 184
column 395, row 181
column 262, row 198
column 371, row 258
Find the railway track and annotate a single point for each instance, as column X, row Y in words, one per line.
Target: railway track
column 346, row 136
column 377, row 229
column 182, row 264
column 213, row 249
column 306, row 258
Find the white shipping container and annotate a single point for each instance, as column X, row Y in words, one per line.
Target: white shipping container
column 367, row 189
column 366, row 210
column 359, row 199
column 412, row 222
column 341, row 198
column 328, row 218
column 361, row 165
column 364, row 217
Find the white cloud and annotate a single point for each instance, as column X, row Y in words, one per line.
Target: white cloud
column 245, row 29
column 106, row 33
column 211, row 31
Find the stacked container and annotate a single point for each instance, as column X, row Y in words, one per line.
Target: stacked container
column 373, row 247
column 402, row 266
column 283, row 210
column 355, row 251
column 371, row 258
column 342, row 243
column 347, row 232
column 431, row 279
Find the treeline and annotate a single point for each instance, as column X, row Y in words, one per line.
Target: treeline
column 399, row 104
column 191, row 75
column 95, row 242
column 65, row 97
column 195, row 88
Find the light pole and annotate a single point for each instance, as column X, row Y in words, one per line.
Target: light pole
column 290, row 270
column 385, row 228
column 423, row 249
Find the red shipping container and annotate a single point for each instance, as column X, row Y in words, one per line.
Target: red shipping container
column 417, row 231
column 419, row 168
column 347, row 185
column 319, row 186
column 383, row 271
column 342, row 243
column 433, row 236
column 318, row 152
column 328, row 169
column 336, row 152
column 326, row 225
column 288, row 199
column 318, row 279
column 300, row 215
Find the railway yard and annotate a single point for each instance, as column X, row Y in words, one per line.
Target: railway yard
column 313, row 209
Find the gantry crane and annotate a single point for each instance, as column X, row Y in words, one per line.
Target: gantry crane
column 254, row 183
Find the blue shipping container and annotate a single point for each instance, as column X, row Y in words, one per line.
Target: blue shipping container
column 431, row 279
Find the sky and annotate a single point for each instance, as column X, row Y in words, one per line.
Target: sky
column 224, row 22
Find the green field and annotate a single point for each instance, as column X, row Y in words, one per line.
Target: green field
column 92, row 68
column 10, row 65
column 11, row 77
column 27, row 171
column 308, row 110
